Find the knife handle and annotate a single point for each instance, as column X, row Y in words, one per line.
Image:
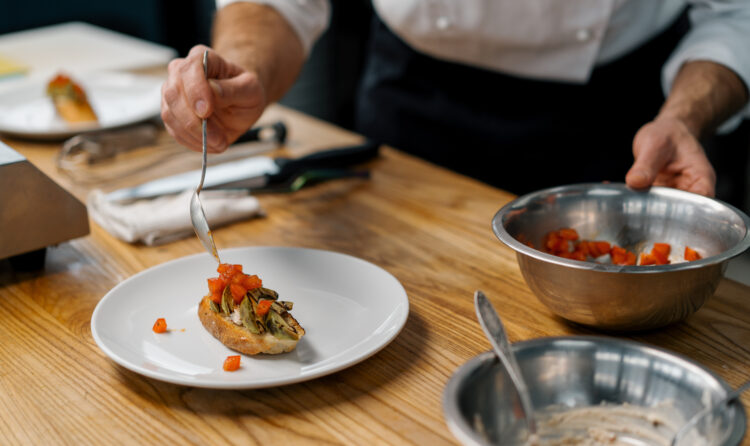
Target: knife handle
column 275, row 132
column 334, row 158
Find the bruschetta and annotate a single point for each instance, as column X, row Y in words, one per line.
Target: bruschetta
column 245, row 316
column 70, row 100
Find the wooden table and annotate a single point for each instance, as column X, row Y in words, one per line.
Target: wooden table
column 427, row 226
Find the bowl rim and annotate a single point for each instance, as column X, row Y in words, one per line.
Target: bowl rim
column 504, row 236
column 467, row 436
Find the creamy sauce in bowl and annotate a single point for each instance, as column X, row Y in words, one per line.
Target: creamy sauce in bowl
column 611, row 425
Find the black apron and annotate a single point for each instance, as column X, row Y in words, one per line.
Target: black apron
column 514, row 133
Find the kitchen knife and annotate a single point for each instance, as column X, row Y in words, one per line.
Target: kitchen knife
column 256, row 172
column 275, row 132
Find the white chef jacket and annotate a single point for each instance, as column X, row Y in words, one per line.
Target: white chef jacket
column 558, row 40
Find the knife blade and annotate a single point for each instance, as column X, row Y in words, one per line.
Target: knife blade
column 256, row 172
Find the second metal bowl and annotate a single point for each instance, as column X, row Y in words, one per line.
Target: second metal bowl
column 614, row 297
column 479, row 400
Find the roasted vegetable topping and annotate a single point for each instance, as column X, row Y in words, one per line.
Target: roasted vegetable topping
column 216, row 287
column 249, row 319
column 63, row 85
column 268, row 293
column 279, row 327
column 226, row 301
column 232, row 276
column 258, row 308
column 263, row 307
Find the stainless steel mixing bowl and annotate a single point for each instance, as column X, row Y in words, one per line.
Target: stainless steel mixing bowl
column 581, row 371
column 614, row 297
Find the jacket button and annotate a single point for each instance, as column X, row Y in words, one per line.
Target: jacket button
column 583, row 35
column 442, row 23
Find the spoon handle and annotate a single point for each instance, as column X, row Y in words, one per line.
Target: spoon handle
column 197, row 214
column 495, row 332
column 205, row 130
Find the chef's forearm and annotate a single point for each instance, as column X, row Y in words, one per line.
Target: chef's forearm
column 704, row 94
column 258, row 38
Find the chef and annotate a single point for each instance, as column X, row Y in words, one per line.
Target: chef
column 519, row 94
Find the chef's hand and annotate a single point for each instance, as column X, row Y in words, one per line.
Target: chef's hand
column 232, row 100
column 668, row 154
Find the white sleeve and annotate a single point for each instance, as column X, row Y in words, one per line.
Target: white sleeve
column 720, row 33
column 308, row 18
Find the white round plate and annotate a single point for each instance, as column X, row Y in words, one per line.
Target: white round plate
column 117, row 98
column 349, row 308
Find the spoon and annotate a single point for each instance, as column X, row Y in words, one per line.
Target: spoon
column 698, row 416
column 197, row 215
column 495, row 332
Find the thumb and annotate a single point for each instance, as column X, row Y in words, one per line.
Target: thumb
column 652, row 153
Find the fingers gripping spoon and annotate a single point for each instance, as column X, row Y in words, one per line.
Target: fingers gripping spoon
column 197, row 215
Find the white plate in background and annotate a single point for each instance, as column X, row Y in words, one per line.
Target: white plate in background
column 118, row 99
column 349, row 308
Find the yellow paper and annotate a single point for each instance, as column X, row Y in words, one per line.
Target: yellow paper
column 10, row 67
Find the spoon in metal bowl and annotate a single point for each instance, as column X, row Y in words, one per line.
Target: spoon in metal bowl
column 197, row 215
column 495, row 332
column 708, row 410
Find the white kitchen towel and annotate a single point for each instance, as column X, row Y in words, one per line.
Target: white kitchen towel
column 167, row 218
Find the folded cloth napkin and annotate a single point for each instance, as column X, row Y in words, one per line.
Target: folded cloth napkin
column 167, row 218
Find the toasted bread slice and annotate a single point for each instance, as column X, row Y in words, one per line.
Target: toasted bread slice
column 74, row 112
column 238, row 338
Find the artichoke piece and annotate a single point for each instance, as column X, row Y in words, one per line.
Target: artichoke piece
column 255, row 294
column 248, row 317
column 281, row 306
column 290, row 320
column 227, row 301
column 259, row 321
column 214, row 307
column 279, row 327
column 269, row 293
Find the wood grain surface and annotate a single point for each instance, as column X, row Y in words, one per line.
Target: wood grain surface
column 427, row 226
